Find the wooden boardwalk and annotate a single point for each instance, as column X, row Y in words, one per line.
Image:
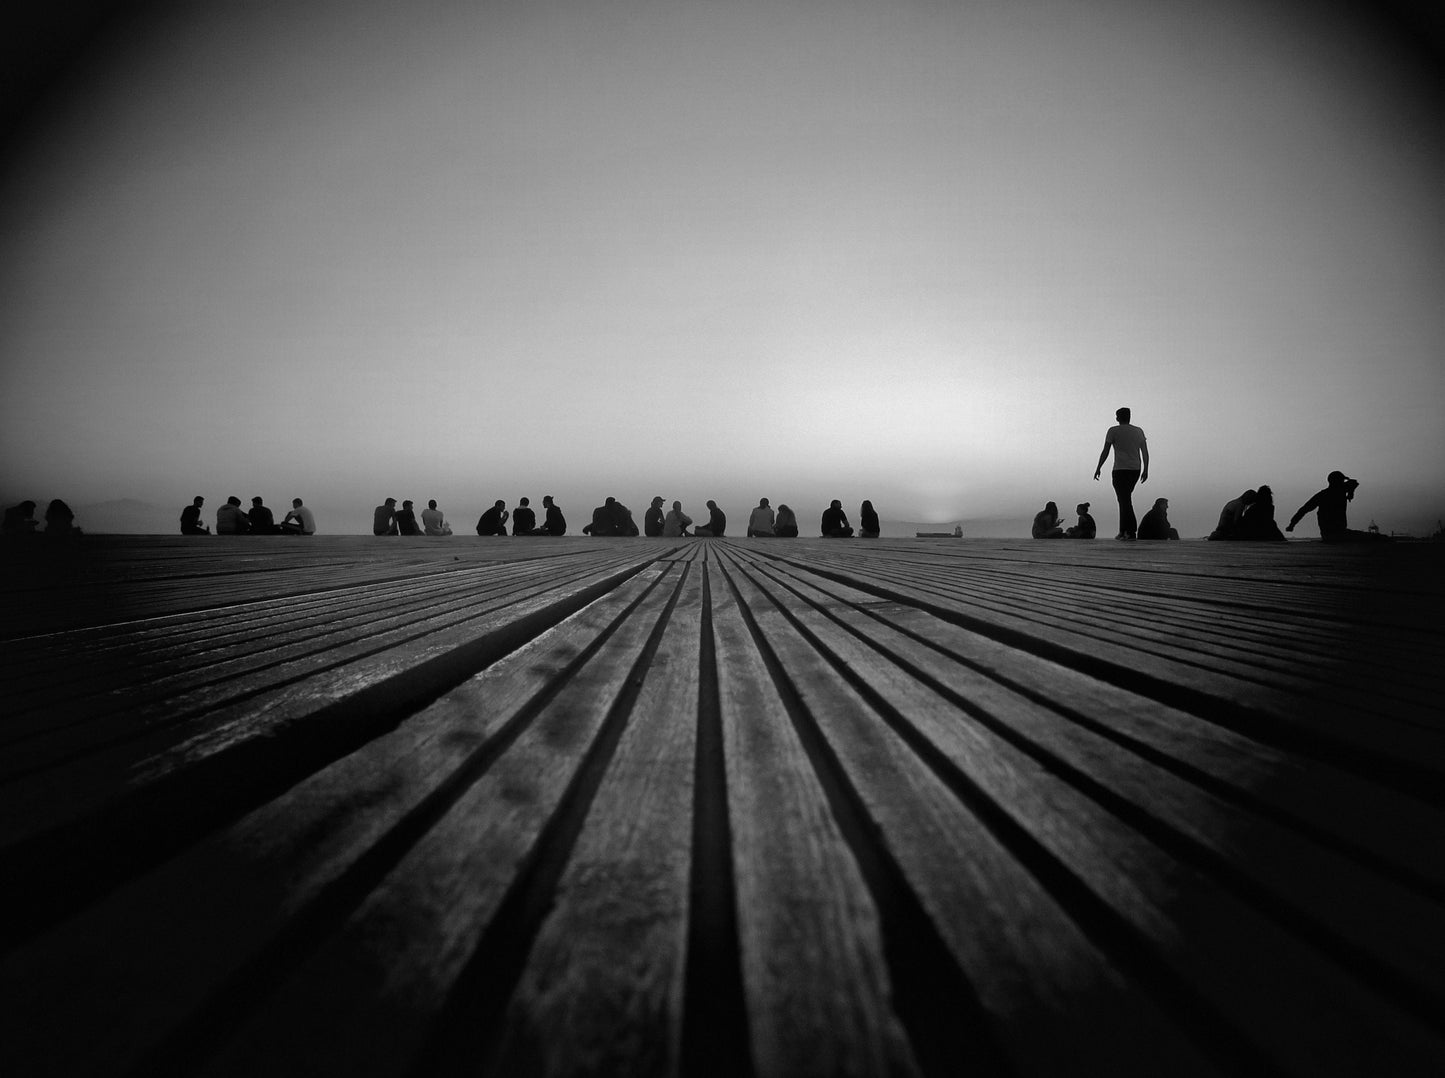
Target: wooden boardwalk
column 645, row 807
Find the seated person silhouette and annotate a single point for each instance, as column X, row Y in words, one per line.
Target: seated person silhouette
column 524, row 520
column 191, row 518
column 299, row 521
column 555, row 523
column 231, row 519
column 654, row 519
column 20, row 520
column 1257, row 521
column 262, row 522
column 59, row 520
column 494, row 520
column 868, row 527
column 433, row 521
column 610, row 519
column 1155, row 524
column 406, row 523
column 622, row 518
column 760, row 520
column 1085, row 528
column 383, row 519
column 717, row 523
column 1331, row 504
column 1231, row 515
column 1046, row 523
column 676, row 523
column 786, row 524
column 835, row 522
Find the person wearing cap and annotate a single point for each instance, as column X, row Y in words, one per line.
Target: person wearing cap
column 555, row 523
column 383, row 521
column 1085, row 528
column 1330, row 505
column 1131, row 467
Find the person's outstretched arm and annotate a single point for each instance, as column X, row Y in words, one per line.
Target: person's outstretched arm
column 1313, row 503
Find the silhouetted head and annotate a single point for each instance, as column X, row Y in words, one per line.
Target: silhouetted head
column 763, row 502
column 295, row 503
column 1122, row 415
column 524, row 501
column 256, row 500
column 57, row 506
column 1081, row 508
column 1051, row 507
column 500, row 504
column 546, row 499
column 1264, row 494
column 610, row 500
column 432, row 504
column 1336, row 478
column 28, row 506
column 711, row 504
column 657, row 500
column 677, row 506
column 233, row 500
column 1248, row 496
column 867, row 505
column 198, row 500
column 783, row 507
column 389, row 501
column 835, row 504
column 1162, row 504
column 406, row 504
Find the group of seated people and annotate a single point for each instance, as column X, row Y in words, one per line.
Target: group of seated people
column 231, row 519
column 1250, row 516
column 1048, row 526
column 1247, row 517
column 1155, row 524
column 20, row 520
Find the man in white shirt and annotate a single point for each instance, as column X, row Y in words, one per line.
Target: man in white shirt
column 299, row 521
column 1131, row 467
column 432, row 521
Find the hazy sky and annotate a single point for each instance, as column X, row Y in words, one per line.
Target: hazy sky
column 916, row 252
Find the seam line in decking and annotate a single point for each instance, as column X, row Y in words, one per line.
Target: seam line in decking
column 934, row 1000
column 468, row 1034
column 149, row 823
column 1247, row 721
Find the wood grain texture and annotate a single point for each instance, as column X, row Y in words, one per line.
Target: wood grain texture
column 352, row 805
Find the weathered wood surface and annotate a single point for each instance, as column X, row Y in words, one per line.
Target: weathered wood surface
column 363, row 806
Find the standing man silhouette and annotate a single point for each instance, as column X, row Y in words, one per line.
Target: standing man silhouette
column 1131, row 467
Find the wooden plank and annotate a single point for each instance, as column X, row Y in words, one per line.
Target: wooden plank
column 1295, row 1004
column 458, row 898
column 1047, row 975
column 818, row 988
column 189, row 946
column 602, row 991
